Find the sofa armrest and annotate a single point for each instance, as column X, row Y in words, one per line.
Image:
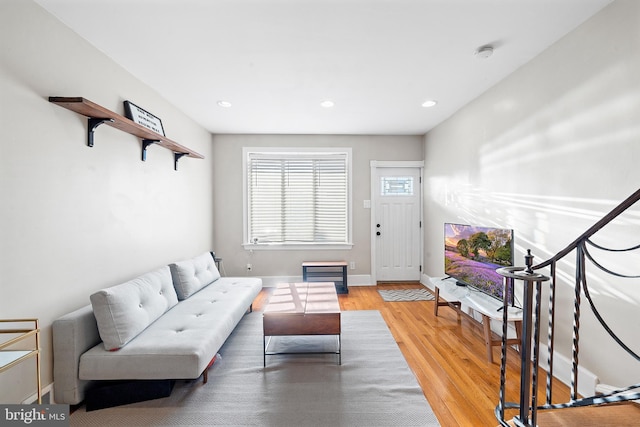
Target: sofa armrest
column 73, row 334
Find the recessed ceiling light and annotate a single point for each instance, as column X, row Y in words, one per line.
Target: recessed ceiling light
column 224, row 104
column 327, row 103
column 429, row 103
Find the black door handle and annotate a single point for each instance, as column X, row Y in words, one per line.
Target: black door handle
column 377, row 233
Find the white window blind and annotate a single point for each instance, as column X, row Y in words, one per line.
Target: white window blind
column 297, row 198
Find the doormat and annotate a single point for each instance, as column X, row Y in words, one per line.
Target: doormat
column 393, row 295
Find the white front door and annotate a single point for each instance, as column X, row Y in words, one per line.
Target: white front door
column 397, row 234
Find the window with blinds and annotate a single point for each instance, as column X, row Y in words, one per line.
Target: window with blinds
column 297, row 198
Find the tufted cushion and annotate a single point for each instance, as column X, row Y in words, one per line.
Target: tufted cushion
column 194, row 274
column 182, row 342
column 123, row 311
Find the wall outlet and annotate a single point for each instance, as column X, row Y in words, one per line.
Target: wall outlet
column 249, row 267
column 352, row 265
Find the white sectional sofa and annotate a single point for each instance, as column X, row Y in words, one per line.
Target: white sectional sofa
column 166, row 324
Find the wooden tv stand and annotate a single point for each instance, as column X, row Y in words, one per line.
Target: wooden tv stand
column 449, row 294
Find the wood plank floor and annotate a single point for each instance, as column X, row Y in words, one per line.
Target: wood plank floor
column 447, row 356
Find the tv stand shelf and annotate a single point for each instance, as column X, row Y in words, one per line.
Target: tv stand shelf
column 98, row 115
column 449, row 294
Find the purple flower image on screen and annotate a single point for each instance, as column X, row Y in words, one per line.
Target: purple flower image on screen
column 472, row 254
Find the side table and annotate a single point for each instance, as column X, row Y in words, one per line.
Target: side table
column 11, row 358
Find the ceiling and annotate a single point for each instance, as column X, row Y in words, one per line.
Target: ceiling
column 276, row 60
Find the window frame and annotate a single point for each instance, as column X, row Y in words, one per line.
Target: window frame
column 246, row 151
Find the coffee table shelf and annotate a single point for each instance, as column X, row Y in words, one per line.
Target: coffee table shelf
column 302, row 309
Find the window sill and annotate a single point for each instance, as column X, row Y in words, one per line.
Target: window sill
column 296, row 246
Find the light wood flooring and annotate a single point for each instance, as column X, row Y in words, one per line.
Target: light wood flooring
column 447, row 356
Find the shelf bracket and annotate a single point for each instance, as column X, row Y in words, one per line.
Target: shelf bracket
column 145, row 144
column 94, row 122
column 176, row 157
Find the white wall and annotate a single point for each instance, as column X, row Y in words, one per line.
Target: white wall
column 74, row 219
column 548, row 152
column 227, row 157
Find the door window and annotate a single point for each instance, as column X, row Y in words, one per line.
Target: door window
column 396, row 186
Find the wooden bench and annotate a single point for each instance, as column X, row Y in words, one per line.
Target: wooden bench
column 449, row 294
column 326, row 271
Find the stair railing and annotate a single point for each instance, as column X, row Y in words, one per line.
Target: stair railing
column 531, row 322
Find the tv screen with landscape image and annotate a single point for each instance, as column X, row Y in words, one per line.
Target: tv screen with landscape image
column 473, row 253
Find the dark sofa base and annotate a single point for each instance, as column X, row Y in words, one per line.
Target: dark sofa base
column 106, row 394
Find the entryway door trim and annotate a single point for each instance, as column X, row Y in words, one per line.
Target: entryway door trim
column 375, row 164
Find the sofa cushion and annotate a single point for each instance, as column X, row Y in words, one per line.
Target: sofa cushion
column 182, row 342
column 123, row 311
column 191, row 275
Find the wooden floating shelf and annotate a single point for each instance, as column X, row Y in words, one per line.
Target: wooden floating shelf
column 98, row 115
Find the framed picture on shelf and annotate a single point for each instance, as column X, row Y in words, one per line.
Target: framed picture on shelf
column 143, row 117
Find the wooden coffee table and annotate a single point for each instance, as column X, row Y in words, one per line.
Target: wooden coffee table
column 302, row 309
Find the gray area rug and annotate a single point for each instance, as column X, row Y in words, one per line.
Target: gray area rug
column 393, row 295
column 374, row 386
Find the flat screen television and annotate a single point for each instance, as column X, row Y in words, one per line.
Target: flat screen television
column 473, row 253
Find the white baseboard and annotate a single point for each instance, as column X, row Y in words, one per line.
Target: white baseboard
column 34, row 397
column 587, row 380
column 361, row 280
column 273, row 281
column 426, row 281
column 352, row 280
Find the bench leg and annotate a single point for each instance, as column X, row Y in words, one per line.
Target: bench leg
column 456, row 305
column 518, row 325
column 490, row 342
column 486, row 325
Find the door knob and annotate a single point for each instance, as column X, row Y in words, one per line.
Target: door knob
column 378, row 225
column 377, row 233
